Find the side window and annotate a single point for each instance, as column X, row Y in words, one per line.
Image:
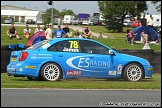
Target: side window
column 94, row 47
column 66, row 46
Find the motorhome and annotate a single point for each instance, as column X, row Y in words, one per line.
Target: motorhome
column 156, row 20
column 68, row 19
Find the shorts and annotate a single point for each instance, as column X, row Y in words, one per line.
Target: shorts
column 12, row 35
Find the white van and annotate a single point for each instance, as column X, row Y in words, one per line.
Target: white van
column 68, row 19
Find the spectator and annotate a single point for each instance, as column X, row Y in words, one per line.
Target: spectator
column 143, row 21
column 100, row 35
column 11, row 32
column 59, row 32
column 38, row 29
column 27, row 32
column 150, row 21
column 144, row 37
column 67, row 31
column 131, row 36
column 87, row 33
column 48, row 32
column 47, row 26
column 77, row 34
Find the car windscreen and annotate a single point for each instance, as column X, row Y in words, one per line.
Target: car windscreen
column 37, row 45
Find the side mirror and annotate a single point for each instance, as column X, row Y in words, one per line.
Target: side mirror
column 111, row 52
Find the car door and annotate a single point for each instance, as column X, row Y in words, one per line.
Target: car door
column 67, row 54
column 97, row 61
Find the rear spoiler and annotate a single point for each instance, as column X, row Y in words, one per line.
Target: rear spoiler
column 16, row 47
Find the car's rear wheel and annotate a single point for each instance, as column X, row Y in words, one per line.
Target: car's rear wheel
column 50, row 72
column 133, row 72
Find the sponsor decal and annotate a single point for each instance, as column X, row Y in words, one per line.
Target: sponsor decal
column 84, row 63
column 70, row 50
column 44, row 56
column 32, row 67
column 112, row 72
column 119, row 69
column 33, row 56
column 73, row 73
column 46, row 46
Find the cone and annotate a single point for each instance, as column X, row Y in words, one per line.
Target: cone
column 146, row 46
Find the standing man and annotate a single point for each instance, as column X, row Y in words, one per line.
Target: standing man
column 48, row 32
column 11, row 32
column 59, row 33
column 150, row 21
column 67, row 30
column 143, row 21
column 27, row 32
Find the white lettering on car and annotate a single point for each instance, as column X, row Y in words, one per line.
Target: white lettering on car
column 84, row 63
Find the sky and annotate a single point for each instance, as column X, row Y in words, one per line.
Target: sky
column 89, row 7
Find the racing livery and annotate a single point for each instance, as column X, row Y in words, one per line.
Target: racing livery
column 62, row 58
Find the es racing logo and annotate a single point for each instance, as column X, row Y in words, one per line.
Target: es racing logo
column 87, row 64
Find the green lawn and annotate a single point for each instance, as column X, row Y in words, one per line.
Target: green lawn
column 117, row 43
column 84, row 83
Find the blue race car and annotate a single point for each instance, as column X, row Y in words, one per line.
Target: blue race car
column 62, row 58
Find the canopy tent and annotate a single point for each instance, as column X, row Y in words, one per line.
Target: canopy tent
column 148, row 30
column 35, row 38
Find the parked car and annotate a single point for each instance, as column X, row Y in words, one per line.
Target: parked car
column 8, row 21
column 40, row 21
column 127, row 23
column 135, row 23
column 63, row 58
column 30, row 21
column 85, row 22
column 75, row 21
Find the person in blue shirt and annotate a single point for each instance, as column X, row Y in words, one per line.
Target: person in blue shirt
column 59, row 33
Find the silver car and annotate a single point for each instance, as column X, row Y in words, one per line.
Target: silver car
column 8, row 21
column 75, row 21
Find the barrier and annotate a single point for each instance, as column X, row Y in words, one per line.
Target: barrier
column 153, row 57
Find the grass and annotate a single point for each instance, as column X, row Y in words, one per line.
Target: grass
column 84, row 83
column 117, row 43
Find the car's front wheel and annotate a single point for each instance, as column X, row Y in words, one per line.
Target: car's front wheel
column 133, row 72
column 50, row 72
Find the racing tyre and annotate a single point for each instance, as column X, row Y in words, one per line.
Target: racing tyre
column 50, row 72
column 133, row 72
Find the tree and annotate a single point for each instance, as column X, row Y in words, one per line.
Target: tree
column 158, row 8
column 114, row 12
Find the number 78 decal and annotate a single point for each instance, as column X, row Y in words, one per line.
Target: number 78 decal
column 73, row 44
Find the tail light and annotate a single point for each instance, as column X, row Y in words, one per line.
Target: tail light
column 23, row 56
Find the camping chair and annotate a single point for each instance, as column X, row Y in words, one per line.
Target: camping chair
column 128, row 39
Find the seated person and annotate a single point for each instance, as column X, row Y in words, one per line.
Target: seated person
column 76, row 34
column 100, row 35
column 38, row 29
column 67, row 30
column 131, row 36
column 87, row 33
column 11, row 32
column 144, row 37
column 27, row 32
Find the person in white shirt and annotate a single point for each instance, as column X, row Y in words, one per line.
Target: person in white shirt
column 38, row 29
column 150, row 21
column 27, row 31
column 48, row 32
